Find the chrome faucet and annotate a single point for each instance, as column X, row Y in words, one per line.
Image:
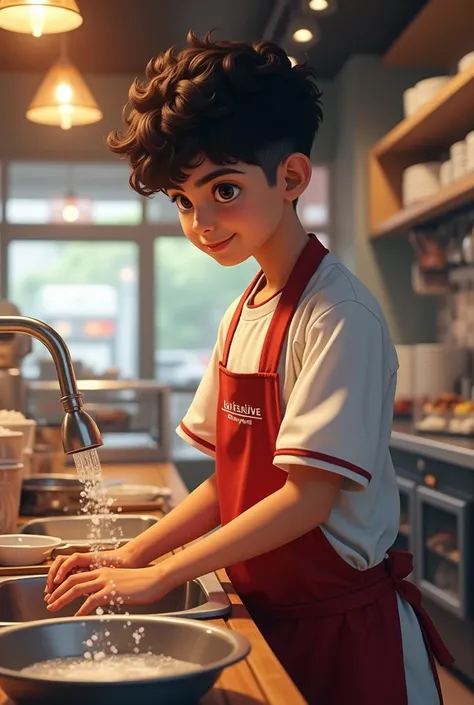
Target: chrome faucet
column 79, row 431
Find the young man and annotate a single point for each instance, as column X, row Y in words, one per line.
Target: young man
column 296, row 406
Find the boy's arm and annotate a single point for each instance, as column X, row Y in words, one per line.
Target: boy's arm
column 304, row 502
column 192, row 518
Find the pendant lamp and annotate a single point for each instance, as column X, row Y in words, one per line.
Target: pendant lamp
column 39, row 17
column 63, row 98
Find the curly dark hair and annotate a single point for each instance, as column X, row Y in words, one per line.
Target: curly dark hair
column 225, row 101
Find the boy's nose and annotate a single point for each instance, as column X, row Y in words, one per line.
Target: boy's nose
column 203, row 223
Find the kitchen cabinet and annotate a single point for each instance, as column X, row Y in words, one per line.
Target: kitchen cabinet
column 436, row 525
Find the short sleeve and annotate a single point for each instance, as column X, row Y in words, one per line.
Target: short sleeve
column 334, row 414
column 198, row 427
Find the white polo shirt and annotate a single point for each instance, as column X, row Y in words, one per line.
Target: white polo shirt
column 338, row 372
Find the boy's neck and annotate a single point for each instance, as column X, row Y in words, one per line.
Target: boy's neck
column 280, row 253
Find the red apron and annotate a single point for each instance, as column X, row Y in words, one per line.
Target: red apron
column 334, row 628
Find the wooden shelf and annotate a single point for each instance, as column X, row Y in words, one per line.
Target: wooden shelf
column 446, row 200
column 448, row 117
column 439, row 35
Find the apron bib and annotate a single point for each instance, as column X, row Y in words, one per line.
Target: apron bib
column 335, row 629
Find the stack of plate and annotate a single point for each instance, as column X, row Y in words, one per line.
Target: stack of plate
column 466, row 62
column 457, row 154
column 422, row 92
column 446, row 174
column 420, row 181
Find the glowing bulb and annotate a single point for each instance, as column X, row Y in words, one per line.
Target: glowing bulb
column 64, row 93
column 303, row 35
column 318, row 5
column 70, row 213
column 65, row 117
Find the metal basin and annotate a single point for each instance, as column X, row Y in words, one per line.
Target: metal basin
column 22, row 600
column 211, row 648
column 77, row 529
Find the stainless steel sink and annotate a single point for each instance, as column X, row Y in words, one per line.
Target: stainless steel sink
column 22, row 600
column 77, row 529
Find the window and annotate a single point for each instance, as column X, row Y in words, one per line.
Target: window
column 88, row 292
column 192, row 294
column 59, row 192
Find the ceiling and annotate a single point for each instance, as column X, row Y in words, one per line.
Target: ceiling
column 120, row 36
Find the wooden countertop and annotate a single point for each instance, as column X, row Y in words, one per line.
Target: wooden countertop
column 260, row 679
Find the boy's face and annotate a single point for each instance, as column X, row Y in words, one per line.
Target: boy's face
column 229, row 211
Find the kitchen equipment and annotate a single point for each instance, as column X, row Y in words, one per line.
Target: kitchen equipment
column 430, row 253
column 22, row 600
column 437, row 368
column 211, row 648
column 49, row 494
column 79, row 430
column 17, row 549
column 420, row 181
column 11, row 446
column 146, row 403
column 78, row 529
column 17, row 422
column 10, row 490
column 13, row 348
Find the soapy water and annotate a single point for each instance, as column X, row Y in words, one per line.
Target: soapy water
column 100, row 667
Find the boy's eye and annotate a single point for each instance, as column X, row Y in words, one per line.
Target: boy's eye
column 223, row 193
column 183, row 203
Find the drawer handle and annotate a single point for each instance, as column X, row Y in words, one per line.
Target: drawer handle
column 420, row 464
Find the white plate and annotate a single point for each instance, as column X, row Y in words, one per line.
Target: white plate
column 138, row 493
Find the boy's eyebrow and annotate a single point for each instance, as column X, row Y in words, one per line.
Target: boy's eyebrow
column 215, row 174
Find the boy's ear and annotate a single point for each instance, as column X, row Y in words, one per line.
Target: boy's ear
column 296, row 172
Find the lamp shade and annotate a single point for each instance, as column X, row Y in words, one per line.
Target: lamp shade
column 63, row 99
column 39, row 17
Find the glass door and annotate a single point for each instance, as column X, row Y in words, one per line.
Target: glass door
column 443, row 548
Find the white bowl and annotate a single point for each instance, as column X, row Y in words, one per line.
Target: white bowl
column 25, row 426
column 26, row 549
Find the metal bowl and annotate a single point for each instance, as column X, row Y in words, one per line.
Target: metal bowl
column 211, row 648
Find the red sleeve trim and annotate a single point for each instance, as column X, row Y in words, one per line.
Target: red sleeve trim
column 195, row 438
column 302, row 453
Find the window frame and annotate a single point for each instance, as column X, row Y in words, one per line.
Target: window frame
column 143, row 235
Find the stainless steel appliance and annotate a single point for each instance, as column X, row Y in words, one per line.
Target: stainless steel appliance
column 13, row 348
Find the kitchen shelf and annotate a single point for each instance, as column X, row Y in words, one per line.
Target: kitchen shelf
column 448, row 117
column 446, row 200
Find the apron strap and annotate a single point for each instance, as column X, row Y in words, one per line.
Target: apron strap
column 236, row 317
column 307, row 264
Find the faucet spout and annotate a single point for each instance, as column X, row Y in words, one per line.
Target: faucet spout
column 79, row 430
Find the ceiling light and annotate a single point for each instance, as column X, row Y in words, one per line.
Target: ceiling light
column 71, row 210
column 304, row 31
column 324, row 7
column 303, row 35
column 64, row 99
column 39, row 17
